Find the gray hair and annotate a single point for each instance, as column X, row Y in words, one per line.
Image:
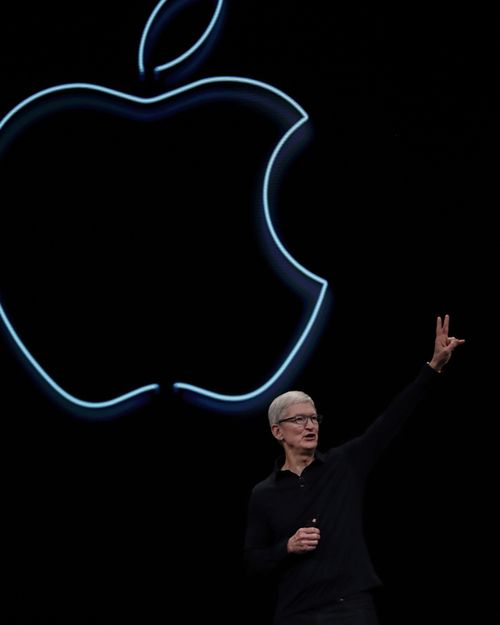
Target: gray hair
column 282, row 402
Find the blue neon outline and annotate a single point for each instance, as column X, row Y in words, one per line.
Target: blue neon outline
column 182, row 57
column 149, row 388
column 265, row 198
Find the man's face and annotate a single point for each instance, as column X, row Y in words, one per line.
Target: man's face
column 294, row 434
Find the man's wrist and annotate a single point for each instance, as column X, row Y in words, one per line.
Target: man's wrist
column 438, row 367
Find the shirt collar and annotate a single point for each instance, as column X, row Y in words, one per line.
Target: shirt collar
column 319, row 458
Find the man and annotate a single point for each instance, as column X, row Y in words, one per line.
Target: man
column 305, row 520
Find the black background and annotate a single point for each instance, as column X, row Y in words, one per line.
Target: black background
column 391, row 199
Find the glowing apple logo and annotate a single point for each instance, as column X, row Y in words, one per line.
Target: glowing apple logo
column 45, row 104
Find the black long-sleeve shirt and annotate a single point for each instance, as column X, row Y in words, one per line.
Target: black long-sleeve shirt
column 330, row 489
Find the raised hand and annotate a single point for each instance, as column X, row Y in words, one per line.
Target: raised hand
column 444, row 345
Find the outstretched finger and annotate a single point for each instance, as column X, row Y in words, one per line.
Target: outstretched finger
column 439, row 326
column 446, row 324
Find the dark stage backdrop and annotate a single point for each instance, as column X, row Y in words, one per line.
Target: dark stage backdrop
column 134, row 250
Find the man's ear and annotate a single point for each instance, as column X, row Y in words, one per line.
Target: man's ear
column 277, row 433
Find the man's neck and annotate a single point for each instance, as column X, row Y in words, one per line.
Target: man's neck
column 296, row 463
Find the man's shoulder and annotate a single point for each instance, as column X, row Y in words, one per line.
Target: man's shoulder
column 265, row 484
column 332, row 453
